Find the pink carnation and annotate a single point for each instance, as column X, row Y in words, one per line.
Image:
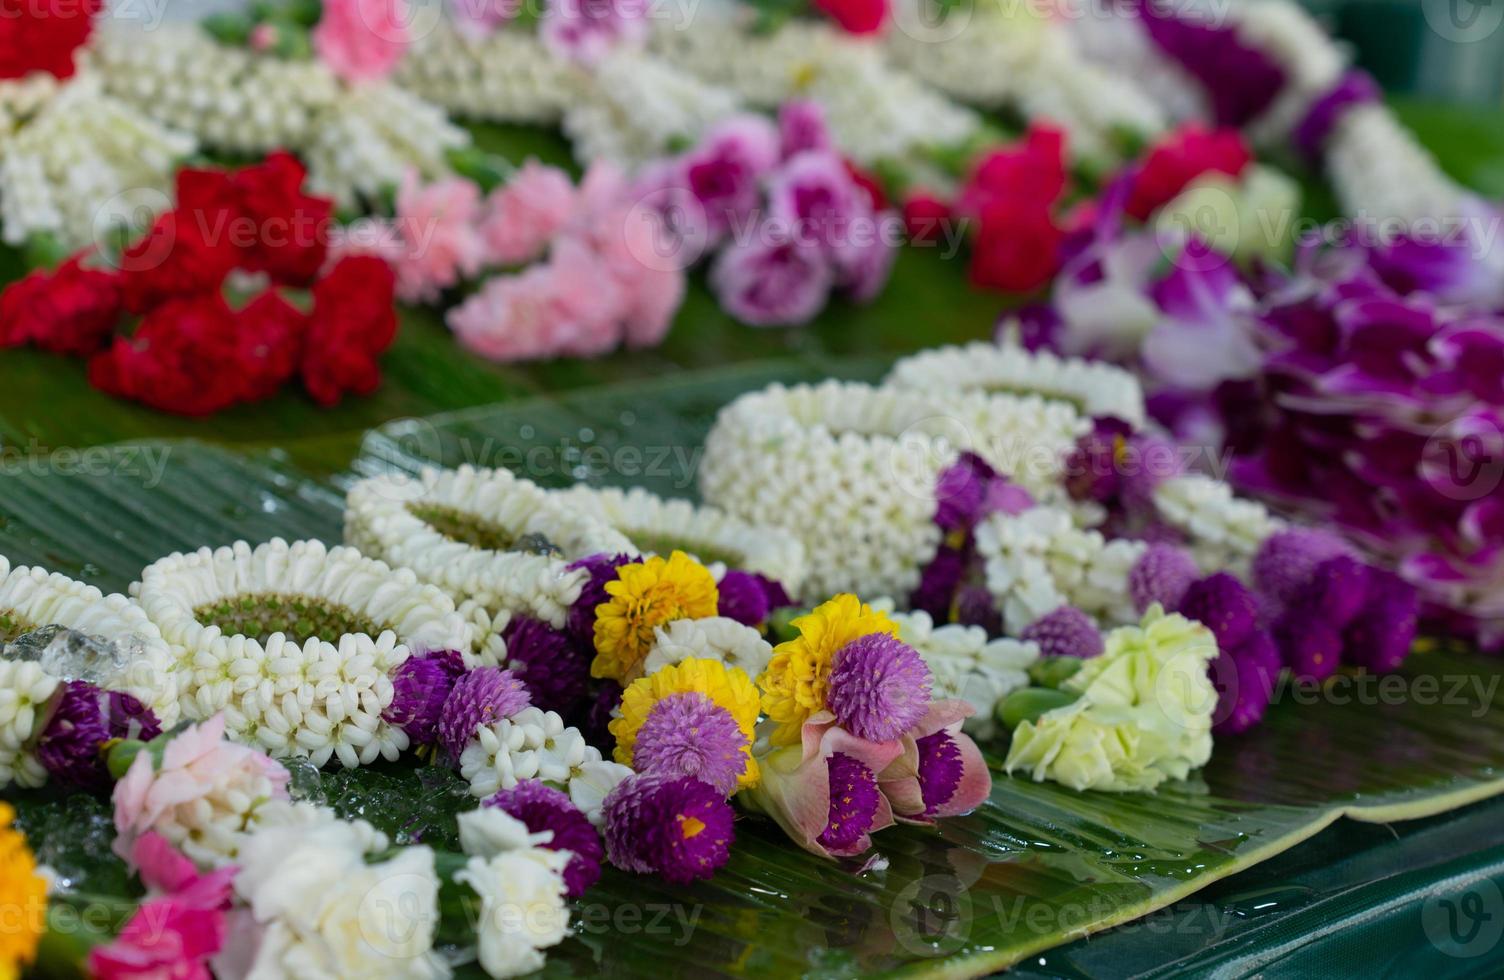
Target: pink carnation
column 437, row 222
column 589, row 302
column 362, row 40
column 522, row 216
column 770, row 281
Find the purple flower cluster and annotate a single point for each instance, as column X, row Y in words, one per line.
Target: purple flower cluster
column 1065, row 632
column 688, row 734
column 675, row 827
column 554, row 668
column 81, row 720
column 789, row 220
column 541, row 807
column 421, row 684
column 482, row 696
column 854, row 799
column 1239, row 80
column 1248, row 663
column 879, row 687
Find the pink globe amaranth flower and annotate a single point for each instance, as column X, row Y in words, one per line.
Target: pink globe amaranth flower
column 725, row 172
column 769, row 281
column 585, row 31
column 196, row 763
column 801, row 127
column 481, row 697
column 795, row 787
column 362, row 40
column 521, row 217
column 1065, row 632
column 541, row 807
column 1162, row 574
column 951, row 769
column 687, row 734
column 879, row 686
column 438, row 224
column 675, row 827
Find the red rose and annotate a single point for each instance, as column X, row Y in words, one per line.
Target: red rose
column 353, row 322
column 71, row 310
column 856, row 16
column 262, row 213
column 42, row 35
column 924, row 216
column 1033, row 169
column 1180, row 158
column 177, row 258
column 269, row 336
column 183, row 358
column 1018, row 246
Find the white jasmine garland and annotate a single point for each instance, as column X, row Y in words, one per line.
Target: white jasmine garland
column 532, row 744
column 659, row 525
column 1225, row 530
column 1094, row 388
column 31, row 598
column 851, row 470
column 480, row 514
column 25, row 689
column 507, row 76
column 318, row 696
column 1312, row 63
column 714, row 638
column 1381, row 173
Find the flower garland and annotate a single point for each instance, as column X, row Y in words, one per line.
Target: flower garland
column 483, row 536
column 852, row 470
column 505, row 76
column 294, row 643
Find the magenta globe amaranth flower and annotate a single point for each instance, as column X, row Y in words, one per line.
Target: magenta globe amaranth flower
column 688, row 734
column 879, row 686
column 420, row 685
column 82, row 720
column 676, row 827
column 854, row 801
column 1380, row 636
column 1310, row 645
column 940, row 771
column 541, row 807
column 483, row 696
column 1338, row 589
column 554, row 669
column 1223, row 605
column 743, row 597
column 1162, row 574
column 1065, row 632
column 595, row 724
column 1245, row 684
column 1287, row 561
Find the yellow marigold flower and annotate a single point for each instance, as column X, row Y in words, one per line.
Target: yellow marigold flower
column 793, row 686
column 23, row 899
column 693, row 718
column 646, row 595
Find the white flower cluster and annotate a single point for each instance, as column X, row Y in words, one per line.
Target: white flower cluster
column 22, row 98
column 323, row 905
column 1381, row 172
column 1310, row 60
column 1094, row 388
column 31, row 598
column 1225, row 530
column 658, row 525
column 306, row 695
column 1040, row 560
column 481, row 513
column 78, row 158
column 25, row 689
column 1114, row 40
column 713, row 638
column 508, row 76
column 1005, row 55
column 637, row 108
column 851, row 470
column 521, row 888
column 532, row 744
column 874, row 111
column 966, row 665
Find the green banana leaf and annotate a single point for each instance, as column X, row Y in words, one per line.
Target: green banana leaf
column 1037, row 866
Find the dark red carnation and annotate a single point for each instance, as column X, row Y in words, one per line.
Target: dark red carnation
column 1180, row 158
column 263, row 214
column 269, row 336
column 1031, row 170
column 183, row 358
column 856, row 16
column 924, row 217
column 1017, row 247
column 177, row 258
column 71, row 310
column 42, row 35
column 353, row 322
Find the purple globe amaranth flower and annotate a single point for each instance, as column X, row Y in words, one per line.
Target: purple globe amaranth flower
column 602, row 569
column 770, row 280
column 82, row 720
column 938, row 582
column 1310, row 645
column 688, row 734
column 879, row 687
column 802, row 126
column 1162, row 574
column 969, row 490
column 1065, row 632
column 675, row 827
column 541, row 807
column 940, row 770
column 854, row 800
column 1223, row 605
column 778, row 597
column 420, row 686
column 595, row 724
column 1287, row 561
column 744, row 598
column 555, row 670
column 1245, row 680
column 1380, row 636
column 976, row 607
column 480, row 697
column 1339, row 589
column 1092, row 468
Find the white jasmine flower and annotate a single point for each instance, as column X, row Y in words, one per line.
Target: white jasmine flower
column 522, row 911
column 488, row 831
column 1224, row 530
column 966, row 665
column 25, row 689
column 715, row 638
column 591, row 783
column 532, row 744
